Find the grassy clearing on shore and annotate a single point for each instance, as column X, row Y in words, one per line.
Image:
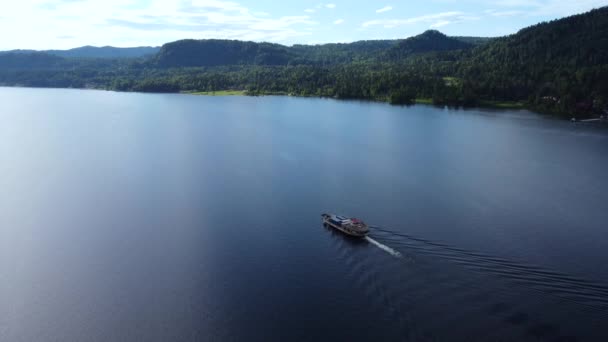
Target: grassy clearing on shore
column 220, row 93
column 451, row 81
column 424, row 101
column 486, row 104
column 503, row 105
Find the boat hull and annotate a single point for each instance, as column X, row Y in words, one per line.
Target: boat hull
column 345, row 230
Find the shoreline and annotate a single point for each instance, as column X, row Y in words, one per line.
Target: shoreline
column 513, row 105
column 482, row 104
column 217, row 93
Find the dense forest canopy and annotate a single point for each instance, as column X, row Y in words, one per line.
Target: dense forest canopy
column 559, row 67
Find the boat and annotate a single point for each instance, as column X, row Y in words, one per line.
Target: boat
column 350, row 226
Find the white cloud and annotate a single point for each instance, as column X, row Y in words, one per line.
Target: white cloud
column 440, row 24
column 517, row 3
column 434, row 20
column 384, row 9
column 512, row 13
column 219, row 5
column 44, row 24
column 564, row 8
column 339, row 21
column 556, row 8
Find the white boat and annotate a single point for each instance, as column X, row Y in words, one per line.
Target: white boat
column 350, row 226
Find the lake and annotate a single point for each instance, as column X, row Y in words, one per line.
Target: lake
column 157, row 217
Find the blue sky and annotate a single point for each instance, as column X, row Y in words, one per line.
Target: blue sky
column 46, row 24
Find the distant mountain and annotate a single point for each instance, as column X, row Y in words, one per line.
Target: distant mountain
column 340, row 53
column 558, row 67
column 106, row 52
column 214, row 52
column 96, row 52
column 29, row 60
column 429, row 41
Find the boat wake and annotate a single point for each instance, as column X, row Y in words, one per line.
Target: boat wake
column 518, row 299
column 383, row 247
column 593, row 296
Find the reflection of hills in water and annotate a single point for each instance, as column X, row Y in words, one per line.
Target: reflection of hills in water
column 423, row 297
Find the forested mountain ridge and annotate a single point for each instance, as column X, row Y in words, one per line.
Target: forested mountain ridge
column 217, row 52
column 240, row 52
column 474, row 40
column 429, row 41
column 561, row 65
column 30, row 61
column 558, row 67
column 95, row 52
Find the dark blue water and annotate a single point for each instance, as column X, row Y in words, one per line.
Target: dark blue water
column 132, row 217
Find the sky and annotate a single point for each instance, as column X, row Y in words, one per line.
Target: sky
column 63, row 24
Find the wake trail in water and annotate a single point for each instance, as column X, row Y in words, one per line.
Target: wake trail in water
column 584, row 292
column 383, row 247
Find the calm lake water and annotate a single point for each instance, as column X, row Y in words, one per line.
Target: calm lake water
column 137, row 217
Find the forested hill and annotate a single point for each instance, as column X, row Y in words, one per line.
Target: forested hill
column 429, row 41
column 95, row 52
column 30, row 61
column 558, row 67
column 578, row 41
column 214, row 52
column 474, row 40
column 106, row 52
